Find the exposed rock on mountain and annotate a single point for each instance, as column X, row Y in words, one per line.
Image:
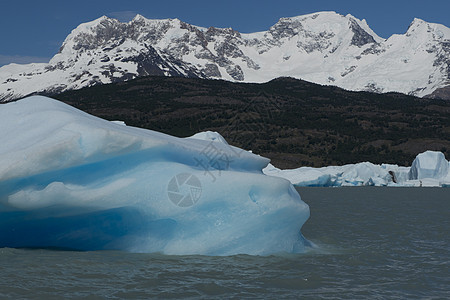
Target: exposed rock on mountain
column 325, row 48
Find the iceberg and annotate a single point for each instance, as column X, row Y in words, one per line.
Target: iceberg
column 72, row 180
column 428, row 169
column 430, row 164
column 362, row 174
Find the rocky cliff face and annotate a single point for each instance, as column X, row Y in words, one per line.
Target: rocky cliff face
column 325, row 48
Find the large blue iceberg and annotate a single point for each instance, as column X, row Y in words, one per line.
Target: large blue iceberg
column 71, row 180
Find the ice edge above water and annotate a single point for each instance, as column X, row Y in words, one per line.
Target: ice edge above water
column 71, row 180
column 429, row 169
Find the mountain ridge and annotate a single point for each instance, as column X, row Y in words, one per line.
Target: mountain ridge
column 325, row 48
column 293, row 122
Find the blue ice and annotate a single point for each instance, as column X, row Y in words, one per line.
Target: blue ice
column 71, row 180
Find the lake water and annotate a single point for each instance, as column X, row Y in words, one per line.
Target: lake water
column 372, row 243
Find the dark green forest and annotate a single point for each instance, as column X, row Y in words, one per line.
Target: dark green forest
column 292, row 122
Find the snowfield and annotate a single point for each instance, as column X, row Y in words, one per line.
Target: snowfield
column 324, row 47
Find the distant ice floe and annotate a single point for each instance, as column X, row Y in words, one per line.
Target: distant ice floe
column 71, row 180
column 428, row 169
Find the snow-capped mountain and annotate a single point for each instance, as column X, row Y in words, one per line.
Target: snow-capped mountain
column 325, row 48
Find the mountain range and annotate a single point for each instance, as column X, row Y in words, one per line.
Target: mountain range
column 325, row 48
column 293, row 122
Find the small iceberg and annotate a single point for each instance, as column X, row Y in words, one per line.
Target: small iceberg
column 428, row 169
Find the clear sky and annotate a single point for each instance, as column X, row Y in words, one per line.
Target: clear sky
column 33, row 31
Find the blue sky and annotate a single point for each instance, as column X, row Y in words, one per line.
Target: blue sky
column 33, row 31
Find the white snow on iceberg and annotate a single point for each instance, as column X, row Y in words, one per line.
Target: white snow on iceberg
column 71, row 180
column 209, row 136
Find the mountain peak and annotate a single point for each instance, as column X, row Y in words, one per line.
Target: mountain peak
column 139, row 19
column 90, row 26
column 326, row 25
column 416, row 23
column 97, row 22
column 322, row 14
column 324, row 47
column 426, row 30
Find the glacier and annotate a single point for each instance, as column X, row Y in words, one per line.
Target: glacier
column 429, row 169
column 74, row 181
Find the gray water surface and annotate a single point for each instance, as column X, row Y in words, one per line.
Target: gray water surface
column 372, row 243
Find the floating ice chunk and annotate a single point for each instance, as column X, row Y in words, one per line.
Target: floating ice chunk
column 68, row 179
column 430, row 164
column 366, row 174
column 304, row 176
column 347, row 175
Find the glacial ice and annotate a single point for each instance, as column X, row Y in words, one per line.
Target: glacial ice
column 71, row 180
column 428, row 169
column 430, row 164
